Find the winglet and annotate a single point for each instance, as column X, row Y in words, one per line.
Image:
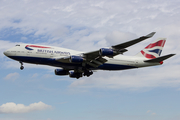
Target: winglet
column 150, row 35
column 160, row 59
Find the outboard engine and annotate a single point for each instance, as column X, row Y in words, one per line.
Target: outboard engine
column 75, row 75
column 61, row 72
column 76, row 59
column 106, row 52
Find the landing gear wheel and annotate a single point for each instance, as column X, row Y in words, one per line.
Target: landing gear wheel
column 22, row 67
column 88, row 73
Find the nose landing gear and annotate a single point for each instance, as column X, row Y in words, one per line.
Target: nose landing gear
column 22, row 67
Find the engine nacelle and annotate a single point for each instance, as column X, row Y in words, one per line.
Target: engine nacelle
column 61, row 72
column 106, row 52
column 75, row 75
column 76, row 59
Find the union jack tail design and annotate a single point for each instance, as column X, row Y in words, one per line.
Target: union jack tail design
column 153, row 50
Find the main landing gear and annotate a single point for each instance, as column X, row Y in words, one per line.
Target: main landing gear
column 22, row 67
column 88, row 73
column 79, row 73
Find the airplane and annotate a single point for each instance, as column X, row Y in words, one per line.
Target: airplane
column 77, row 64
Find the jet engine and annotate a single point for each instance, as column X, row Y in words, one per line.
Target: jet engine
column 76, row 59
column 75, row 75
column 61, row 72
column 106, row 52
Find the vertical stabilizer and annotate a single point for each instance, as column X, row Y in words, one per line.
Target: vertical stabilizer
column 153, row 50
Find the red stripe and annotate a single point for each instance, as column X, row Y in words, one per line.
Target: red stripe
column 149, row 56
column 36, row 46
column 160, row 43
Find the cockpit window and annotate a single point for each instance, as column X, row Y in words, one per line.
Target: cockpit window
column 17, row 45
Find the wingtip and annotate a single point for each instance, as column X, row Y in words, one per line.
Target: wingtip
column 172, row 54
column 151, row 34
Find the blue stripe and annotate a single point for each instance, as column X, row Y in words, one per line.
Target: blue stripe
column 29, row 48
column 44, row 61
column 53, row 62
column 107, row 66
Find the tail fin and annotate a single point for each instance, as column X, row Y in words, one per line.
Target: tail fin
column 153, row 50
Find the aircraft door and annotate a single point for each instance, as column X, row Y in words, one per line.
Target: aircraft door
column 28, row 53
column 51, row 55
column 136, row 63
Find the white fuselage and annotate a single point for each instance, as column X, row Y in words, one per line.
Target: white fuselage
column 36, row 54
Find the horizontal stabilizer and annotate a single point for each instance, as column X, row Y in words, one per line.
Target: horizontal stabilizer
column 159, row 59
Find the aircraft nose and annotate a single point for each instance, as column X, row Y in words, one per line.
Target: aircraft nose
column 5, row 53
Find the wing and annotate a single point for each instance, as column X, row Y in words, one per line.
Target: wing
column 132, row 42
column 94, row 58
column 120, row 48
column 98, row 57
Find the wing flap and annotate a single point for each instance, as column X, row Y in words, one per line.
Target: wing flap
column 92, row 64
column 97, row 62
